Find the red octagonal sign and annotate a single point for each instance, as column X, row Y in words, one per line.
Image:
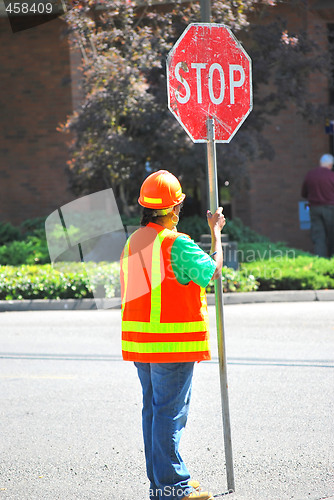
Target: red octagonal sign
column 209, row 75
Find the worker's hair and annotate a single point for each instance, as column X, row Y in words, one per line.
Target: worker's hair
column 148, row 215
column 152, row 214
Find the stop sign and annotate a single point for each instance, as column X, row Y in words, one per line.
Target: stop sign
column 209, row 76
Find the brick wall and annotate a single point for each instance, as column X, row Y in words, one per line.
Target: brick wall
column 35, row 82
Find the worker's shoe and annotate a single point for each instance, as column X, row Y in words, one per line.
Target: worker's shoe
column 199, row 495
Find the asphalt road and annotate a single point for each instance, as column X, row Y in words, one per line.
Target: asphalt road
column 70, row 407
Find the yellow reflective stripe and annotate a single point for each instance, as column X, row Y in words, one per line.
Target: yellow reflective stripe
column 204, row 305
column 156, row 278
column 145, row 327
column 156, row 282
column 162, row 235
column 125, row 267
column 155, row 347
column 152, row 200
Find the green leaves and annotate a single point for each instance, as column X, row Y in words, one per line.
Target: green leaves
column 8, row 232
column 292, row 273
column 235, row 281
column 77, row 281
column 73, row 282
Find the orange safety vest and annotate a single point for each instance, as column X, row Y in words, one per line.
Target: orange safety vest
column 162, row 320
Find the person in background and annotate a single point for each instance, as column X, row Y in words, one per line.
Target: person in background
column 318, row 189
column 165, row 326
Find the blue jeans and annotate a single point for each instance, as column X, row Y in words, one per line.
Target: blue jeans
column 166, row 398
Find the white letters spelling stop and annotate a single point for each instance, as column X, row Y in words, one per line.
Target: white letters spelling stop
column 209, row 77
column 233, row 83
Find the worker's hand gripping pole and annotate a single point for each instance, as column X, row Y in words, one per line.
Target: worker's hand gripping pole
column 213, row 194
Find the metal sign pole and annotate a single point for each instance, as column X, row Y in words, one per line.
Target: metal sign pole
column 213, row 194
column 205, row 11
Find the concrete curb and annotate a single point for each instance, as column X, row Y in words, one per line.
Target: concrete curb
column 229, row 298
column 59, row 305
column 275, row 296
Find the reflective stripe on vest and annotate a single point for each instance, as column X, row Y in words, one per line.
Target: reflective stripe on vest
column 156, row 347
column 155, row 326
column 125, row 265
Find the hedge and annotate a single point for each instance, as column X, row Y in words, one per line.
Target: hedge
column 263, row 265
column 195, row 226
column 78, row 280
column 299, row 273
column 267, row 250
column 68, row 281
column 27, row 244
column 235, row 281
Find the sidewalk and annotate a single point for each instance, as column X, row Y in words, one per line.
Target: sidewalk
column 229, row 298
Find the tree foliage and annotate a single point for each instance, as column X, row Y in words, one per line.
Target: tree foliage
column 123, row 128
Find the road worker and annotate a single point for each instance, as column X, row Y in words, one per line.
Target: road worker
column 165, row 326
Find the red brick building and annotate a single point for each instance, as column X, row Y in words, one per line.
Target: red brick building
column 36, row 95
column 270, row 206
column 40, row 88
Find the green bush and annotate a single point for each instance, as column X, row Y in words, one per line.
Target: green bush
column 237, row 231
column 104, row 275
column 25, row 244
column 41, row 282
column 76, row 280
column 299, row 273
column 30, row 227
column 264, row 265
column 33, row 250
column 70, row 281
column 15, row 253
column 130, row 221
column 194, row 226
column 235, row 281
column 8, row 233
column 250, row 252
column 33, row 227
column 40, row 251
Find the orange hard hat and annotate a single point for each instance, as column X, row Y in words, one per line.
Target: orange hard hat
column 160, row 190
